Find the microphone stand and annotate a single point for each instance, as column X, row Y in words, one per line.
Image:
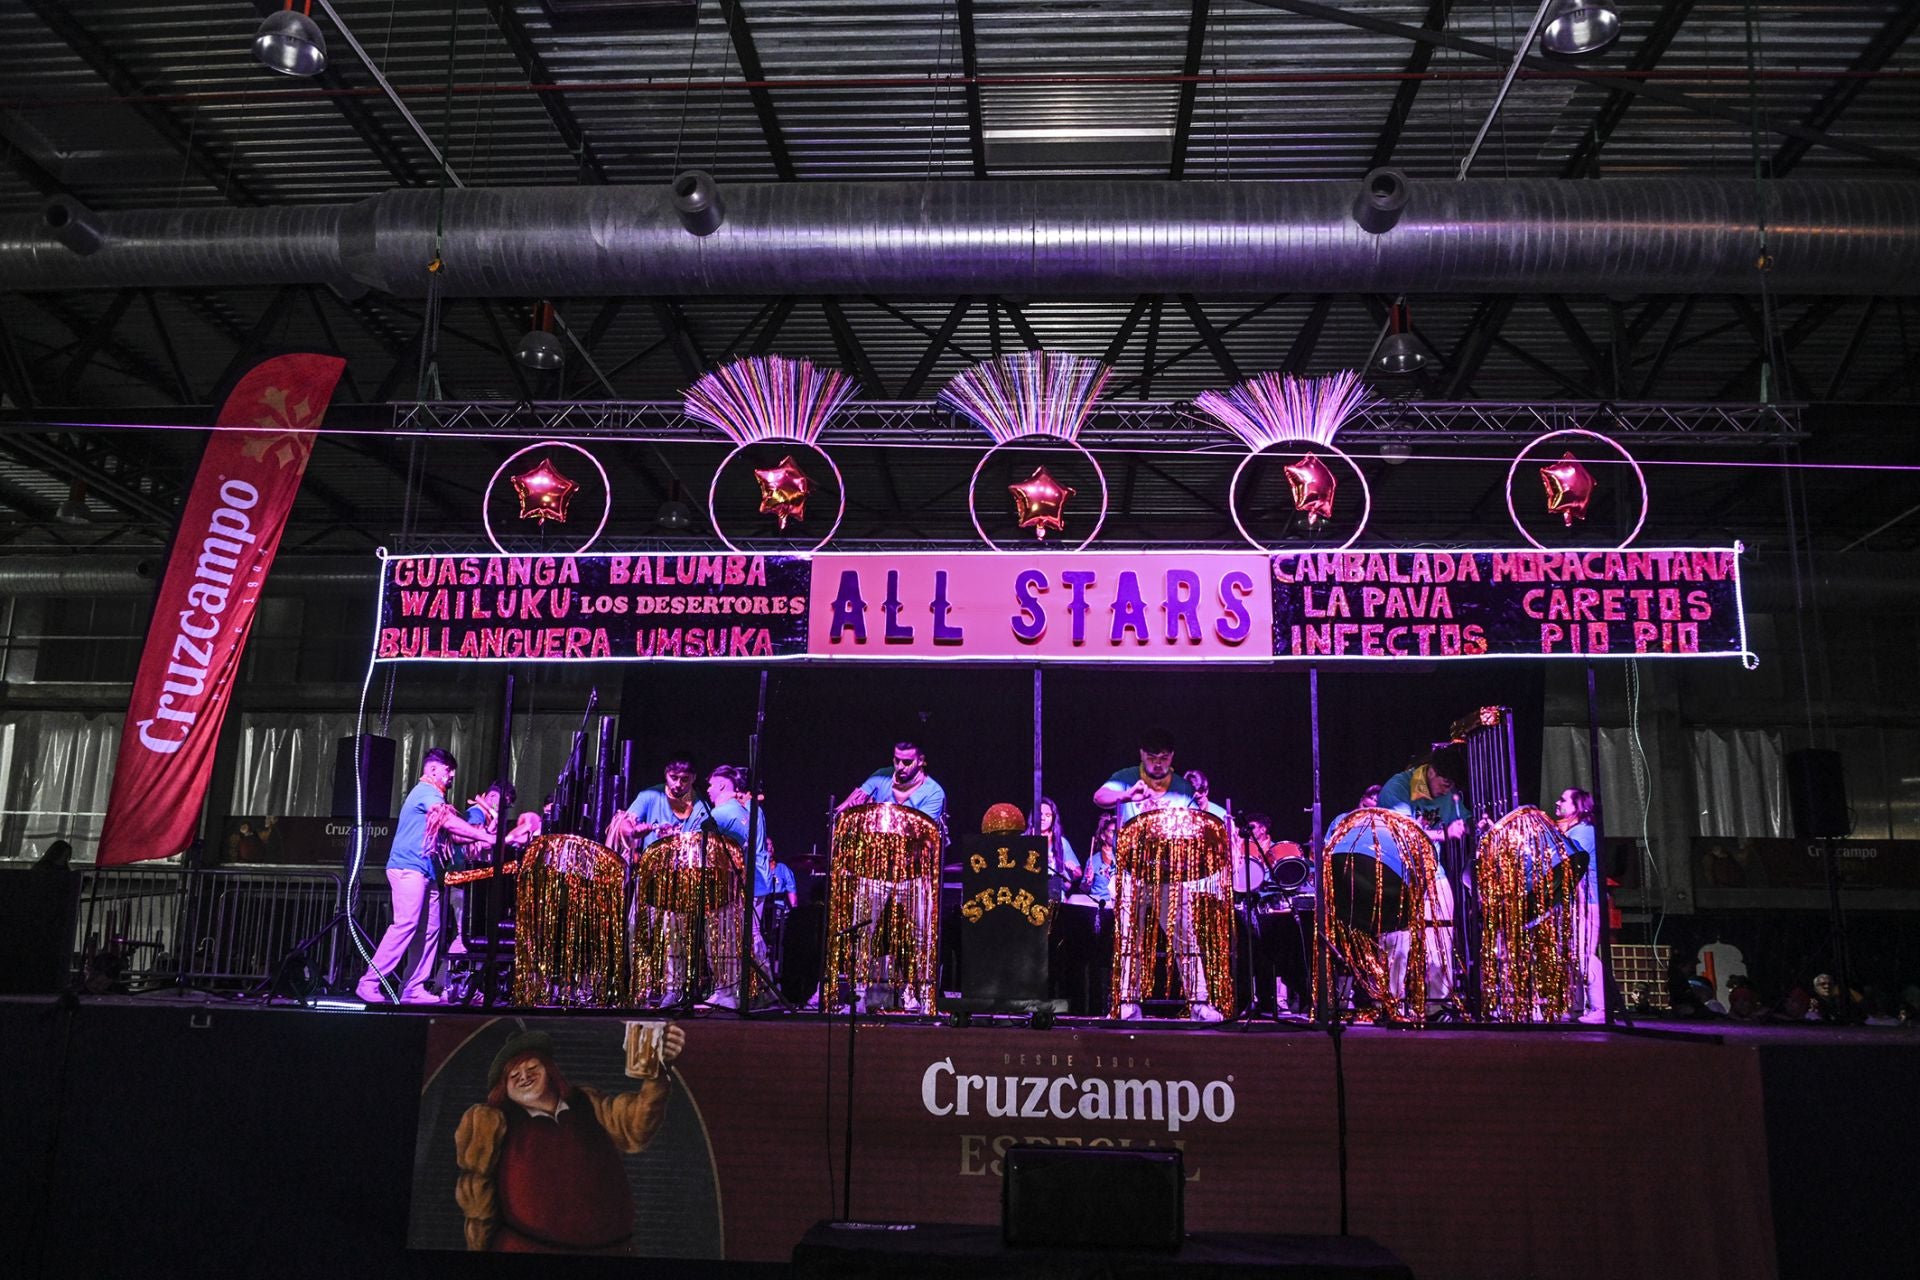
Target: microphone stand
column 495, row 892
column 750, row 858
column 846, row 1154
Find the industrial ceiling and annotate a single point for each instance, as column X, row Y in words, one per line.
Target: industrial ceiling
column 134, row 110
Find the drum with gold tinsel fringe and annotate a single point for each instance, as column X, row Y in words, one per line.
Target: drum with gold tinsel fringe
column 571, row 929
column 886, row 875
column 1378, row 874
column 1528, row 874
column 1174, row 875
column 687, row 887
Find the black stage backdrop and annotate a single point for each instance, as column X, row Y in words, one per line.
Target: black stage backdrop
column 829, row 728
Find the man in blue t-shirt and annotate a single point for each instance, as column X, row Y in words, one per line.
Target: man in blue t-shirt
column 414, row 876
column 661, row 810
column 907, row 783
column 1142, row 788
column 727, row 801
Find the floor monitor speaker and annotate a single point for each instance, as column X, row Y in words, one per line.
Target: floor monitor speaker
column 1066, row 1197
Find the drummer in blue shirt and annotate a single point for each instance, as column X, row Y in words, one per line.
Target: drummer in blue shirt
column 664, row 809
column 907, row 783
column 727, row 802
column 1152, row 784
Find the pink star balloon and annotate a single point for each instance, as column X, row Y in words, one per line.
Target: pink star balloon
column 1313, row 487
column 783, row 491
column 1040, row 501
column 1569, row 487
column 544, row 493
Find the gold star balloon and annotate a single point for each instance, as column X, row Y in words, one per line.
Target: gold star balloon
column 544, row 493
column 1313, row 487
column 1569, row 487
column 1040, row 502
column 783, row 491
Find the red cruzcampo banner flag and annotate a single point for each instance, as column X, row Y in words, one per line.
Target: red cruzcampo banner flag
column 229, row 529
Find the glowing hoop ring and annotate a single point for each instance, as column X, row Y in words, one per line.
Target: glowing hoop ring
column 973, row 509
column 606, row 508
column 713, row 492
column 1514, row 515
column 1233, row 491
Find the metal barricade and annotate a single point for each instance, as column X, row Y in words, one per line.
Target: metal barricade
column 215, row 927
column 241, row 925
column 127, row 927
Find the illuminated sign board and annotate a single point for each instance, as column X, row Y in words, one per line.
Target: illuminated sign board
column 1054, row 607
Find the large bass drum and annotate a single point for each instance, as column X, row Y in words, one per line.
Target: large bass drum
column 571, row 928
column 1175, row 877
column 886, row 877
column 1528, row 873
column 1377, row 874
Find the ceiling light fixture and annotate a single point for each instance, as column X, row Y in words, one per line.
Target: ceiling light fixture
column 539, row 350
column 1580, row 27
column 1399, row 352
column 74, row 509
column 290, row 43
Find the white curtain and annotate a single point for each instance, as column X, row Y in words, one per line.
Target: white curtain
column 1739, row 782
column 1563, row 764
column 56, row 770
column 285, row 763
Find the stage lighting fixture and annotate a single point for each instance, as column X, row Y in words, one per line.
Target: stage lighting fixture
column 696, row 198
column 1580, row 26
column 290, row 43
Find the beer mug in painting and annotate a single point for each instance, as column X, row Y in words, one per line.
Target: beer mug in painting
column 644, row 1041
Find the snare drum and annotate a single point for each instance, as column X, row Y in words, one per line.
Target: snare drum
column 1290, row 870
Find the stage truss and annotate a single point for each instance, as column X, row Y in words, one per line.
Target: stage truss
column 1138, row 425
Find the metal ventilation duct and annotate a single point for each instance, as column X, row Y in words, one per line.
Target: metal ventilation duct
column 1033, row 239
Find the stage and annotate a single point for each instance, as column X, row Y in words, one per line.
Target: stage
column 179, row 1132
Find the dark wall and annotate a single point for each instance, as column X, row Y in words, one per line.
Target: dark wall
column 196, row 1140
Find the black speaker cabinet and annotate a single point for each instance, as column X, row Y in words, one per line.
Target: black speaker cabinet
column 1067, row 1197
column 376, row 767
column 1817, row 791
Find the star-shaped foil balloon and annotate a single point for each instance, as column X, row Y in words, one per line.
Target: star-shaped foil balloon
column 783, row 491
column 544, row 493
column 1569, row 487
column 1040, row 502
column 1313, row 487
